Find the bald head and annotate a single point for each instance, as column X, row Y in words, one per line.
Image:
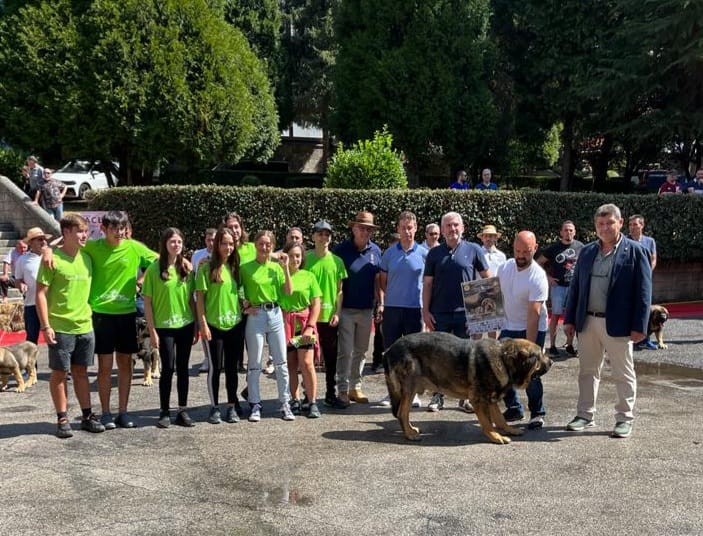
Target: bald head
column 524, row 248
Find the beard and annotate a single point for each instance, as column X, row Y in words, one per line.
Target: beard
column 522, row 263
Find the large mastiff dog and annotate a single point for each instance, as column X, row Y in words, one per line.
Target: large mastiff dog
column 479, row 371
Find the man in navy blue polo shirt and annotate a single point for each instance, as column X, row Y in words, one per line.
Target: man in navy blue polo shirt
column 360, row 292
column 402, row 267
column 446, row 267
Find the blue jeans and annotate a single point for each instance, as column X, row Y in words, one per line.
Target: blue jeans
column 454, row 323
column 534, row 390
column 31, row 323
column 266, row 325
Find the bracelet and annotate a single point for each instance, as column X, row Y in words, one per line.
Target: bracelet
column 311, row 326
column 44, row 328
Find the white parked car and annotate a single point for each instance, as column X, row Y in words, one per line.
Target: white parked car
column 81, row 176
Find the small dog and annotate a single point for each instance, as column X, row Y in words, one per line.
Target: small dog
column 658, row 315
column 149, row 355
column 16, row 358
column 480, row 371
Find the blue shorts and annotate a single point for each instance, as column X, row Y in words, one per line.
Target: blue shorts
column 558, row 294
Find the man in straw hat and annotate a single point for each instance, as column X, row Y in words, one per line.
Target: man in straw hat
column 26, row 276
column 361, row 291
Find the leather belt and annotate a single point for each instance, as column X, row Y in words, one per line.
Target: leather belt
column 597, row 315
column 268, row 306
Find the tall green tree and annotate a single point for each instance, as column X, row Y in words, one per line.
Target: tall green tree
column 141, row 80
column 421, row 67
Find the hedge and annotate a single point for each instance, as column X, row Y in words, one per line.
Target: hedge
column 674, row 221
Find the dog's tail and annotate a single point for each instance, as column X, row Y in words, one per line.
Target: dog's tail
column 394, row 389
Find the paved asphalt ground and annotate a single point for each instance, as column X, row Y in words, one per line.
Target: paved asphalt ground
column 352, row 472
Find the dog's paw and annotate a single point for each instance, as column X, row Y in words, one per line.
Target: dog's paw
column 20, row 389
column 662, row 346
column 498, row 439
column 147, row 382
column 155, row 375
column 413, row 434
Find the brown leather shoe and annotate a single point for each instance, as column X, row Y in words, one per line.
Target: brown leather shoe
column 343, row 398
column 358, row 396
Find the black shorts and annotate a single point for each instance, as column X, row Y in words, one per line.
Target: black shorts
column 115, row 333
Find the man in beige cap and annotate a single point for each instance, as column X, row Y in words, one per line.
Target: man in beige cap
column 26, row 277
column 360, row 292
column 494, row 257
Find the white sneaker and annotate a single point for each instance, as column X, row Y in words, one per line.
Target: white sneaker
column 286, row 412
column 466, row 406
column 385, row 401
column 255, row 415
column 436, row 402
column 417, row 403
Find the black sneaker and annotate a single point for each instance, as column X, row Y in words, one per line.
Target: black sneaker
column 553, row 351
column 295, row 406
column 305, row 404
column 107, row 421
column 124, row 420
column 331, row 401
column 214, row 417
column 92, row 424
column 571, row 350
column 231, row 414
column 164, row 420
column 63, row 429
column 513, row 414
column 183, row 419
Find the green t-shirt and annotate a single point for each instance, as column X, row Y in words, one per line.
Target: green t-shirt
column 247, row 252
column 329, row 271
column 68, row 292
column 170, row 300
column 263, row 283
column 114, row 287
column 221, row 299
column 305, row 288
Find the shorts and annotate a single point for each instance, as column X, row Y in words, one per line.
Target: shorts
column 557, row 294
column 69, row 350
column 115, row 333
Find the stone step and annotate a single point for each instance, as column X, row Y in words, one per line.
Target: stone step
column 7, row 242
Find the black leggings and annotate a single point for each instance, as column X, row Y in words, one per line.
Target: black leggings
column 223, row 349
column 174, row 349
column 328, row 346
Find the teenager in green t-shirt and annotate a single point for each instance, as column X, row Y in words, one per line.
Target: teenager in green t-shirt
column 64, row 316
column 329, row 271
column 169, row 312
column 113, row 294
column 220, row 321
column 300, row 313
column 265, row 282
column 246, row 252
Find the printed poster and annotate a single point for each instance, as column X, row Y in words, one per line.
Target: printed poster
column 483, row 303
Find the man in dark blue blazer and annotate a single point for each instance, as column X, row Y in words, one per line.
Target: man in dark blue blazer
column 608, row 306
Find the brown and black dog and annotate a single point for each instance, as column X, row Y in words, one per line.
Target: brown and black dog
column 16, row 358
column 658, row 315
column 480, row 371
column 147, row 353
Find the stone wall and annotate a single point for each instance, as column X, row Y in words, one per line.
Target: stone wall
column 17, row 208
column 677, row 282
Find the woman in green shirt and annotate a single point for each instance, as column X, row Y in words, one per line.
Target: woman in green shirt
column 265, row 282
column 168, row 310
column 220, row 321
column 300, row 313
